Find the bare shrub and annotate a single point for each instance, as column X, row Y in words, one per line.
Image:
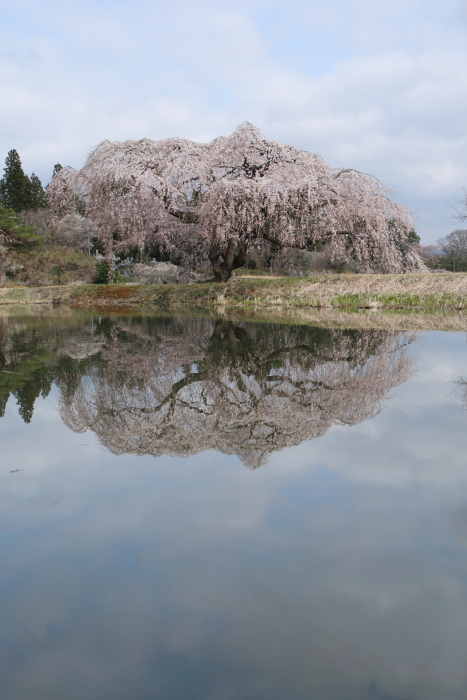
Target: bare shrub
column 42, row 222
column 157, row 273
column 76, row 231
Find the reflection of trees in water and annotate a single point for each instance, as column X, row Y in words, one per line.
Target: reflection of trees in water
column 174, row 386
column 35, row 351
column 461, row 387
column 24, row 374
column 180, row 387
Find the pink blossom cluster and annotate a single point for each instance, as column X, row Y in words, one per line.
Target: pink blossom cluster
column 231, row 194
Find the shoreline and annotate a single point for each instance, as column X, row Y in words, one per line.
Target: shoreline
column 337, row 319
column 422, row 292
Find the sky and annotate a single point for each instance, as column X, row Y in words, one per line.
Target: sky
column 380, row 87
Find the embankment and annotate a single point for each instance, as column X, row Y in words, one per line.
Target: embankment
column 433, row 292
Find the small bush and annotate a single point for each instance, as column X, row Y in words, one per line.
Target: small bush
column 103, row 272
column 157, row 273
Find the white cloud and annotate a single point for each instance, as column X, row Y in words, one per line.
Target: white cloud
column 378, row 87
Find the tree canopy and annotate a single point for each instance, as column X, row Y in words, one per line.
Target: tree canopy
column 455, row 244
column 17, row 190
column 454, row 248
column 231, row 194
column 37, row 195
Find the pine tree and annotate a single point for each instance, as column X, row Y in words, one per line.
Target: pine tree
column 15, row 187
column 38, row 199
column 13, row 230
column 37, row 384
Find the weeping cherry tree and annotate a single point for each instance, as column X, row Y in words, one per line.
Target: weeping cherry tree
column 231, row 194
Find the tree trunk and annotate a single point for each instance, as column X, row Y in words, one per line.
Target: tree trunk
column 110, row 260
column 227, row 259
column 2, row 271
column 221, row 274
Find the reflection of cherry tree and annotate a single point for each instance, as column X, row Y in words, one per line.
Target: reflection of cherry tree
column 35, row 352
column 244, row 390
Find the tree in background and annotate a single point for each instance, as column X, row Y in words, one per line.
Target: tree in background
column 17, row 190
column 413, row 236
column 430, row 254
column 15, row 186
column 33, row 250
column 461, row 207
column 232, row 194
column 38, row 197
column 13, row 234
column 454, row 249
column 75, row 231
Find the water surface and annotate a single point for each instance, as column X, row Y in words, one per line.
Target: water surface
column 215, row 509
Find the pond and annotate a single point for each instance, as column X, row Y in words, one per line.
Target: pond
column 208, row 508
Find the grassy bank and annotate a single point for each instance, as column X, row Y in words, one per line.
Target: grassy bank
column 433, row 292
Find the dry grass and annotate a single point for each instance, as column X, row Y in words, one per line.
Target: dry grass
column 277, row 296
column 447, row 291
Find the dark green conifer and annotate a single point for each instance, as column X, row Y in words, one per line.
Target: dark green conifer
column 38, row 199
column 38, row 384
column 13, row 231
column 15, row 186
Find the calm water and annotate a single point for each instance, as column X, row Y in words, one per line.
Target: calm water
column 197, row 509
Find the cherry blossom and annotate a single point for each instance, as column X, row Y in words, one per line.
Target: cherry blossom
column 234, row 193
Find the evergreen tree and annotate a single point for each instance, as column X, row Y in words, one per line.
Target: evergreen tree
column 57, row 168
column 413, row 236
column 13, row 231
column 15, row 187
column 38, row 199
column 38, row 384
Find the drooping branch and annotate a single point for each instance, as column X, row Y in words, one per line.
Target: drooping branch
column 234, row 192
column 253, row 390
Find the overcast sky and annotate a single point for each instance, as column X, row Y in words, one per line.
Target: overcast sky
column 381, row 87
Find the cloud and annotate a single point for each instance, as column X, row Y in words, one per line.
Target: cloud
column 377, row 87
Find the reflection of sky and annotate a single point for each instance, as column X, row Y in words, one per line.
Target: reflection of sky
column 337, row 571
